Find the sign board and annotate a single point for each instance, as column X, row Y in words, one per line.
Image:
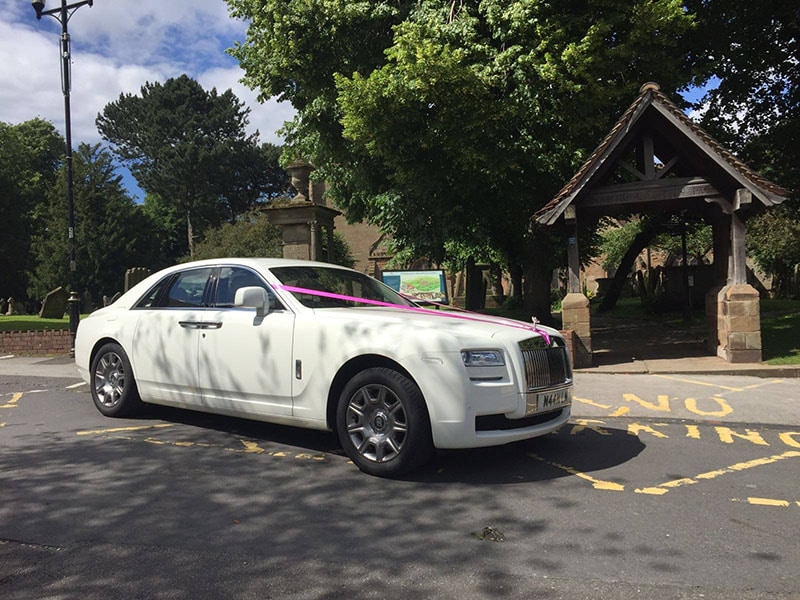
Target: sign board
column 429, row 286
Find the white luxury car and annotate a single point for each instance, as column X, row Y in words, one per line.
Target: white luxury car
column 320, row 346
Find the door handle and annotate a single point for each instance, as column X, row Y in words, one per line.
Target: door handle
column 200, row 324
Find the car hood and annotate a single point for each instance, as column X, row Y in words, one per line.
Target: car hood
column 459, row 324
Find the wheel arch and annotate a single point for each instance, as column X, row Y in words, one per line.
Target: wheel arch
column 102, row 342
column 349, row 369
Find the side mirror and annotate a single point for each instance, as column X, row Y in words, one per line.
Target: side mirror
column 252, row 297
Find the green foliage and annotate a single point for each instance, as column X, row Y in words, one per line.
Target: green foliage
column 339, row 253
column 29, row 157
column 251, row 235
column 111, row 231
column 187, row 147
column 442, row 120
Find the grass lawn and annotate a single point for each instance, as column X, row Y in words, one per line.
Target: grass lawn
column 32, row 323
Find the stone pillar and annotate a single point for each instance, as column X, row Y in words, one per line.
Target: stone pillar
column 575, row 317
column 739, row 324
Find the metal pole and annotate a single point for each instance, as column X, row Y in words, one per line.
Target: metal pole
column 73, row 303
column 62, row 15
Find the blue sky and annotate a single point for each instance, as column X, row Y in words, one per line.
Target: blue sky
column 118, row 46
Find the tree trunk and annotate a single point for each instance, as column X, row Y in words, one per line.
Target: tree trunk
column 640, row 242
column 536, row 300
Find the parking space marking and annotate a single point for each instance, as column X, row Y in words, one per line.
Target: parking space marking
column 14, row 400
column 75, row 385
column 598, row 484
column 772, row 502
column 119, row 429
column 695, row 382
column 591, row 402
column 663, row 488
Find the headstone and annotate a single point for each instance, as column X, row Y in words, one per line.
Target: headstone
column 134, row 275
column 12, row 310
column 3, row 306
column 55, row 304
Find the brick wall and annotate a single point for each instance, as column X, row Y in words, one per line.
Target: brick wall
column 35, row 343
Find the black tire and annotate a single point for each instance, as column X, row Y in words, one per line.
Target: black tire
column 383, row 423
column 112, row 385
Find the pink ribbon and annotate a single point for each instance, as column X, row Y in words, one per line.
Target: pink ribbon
column 464, row 315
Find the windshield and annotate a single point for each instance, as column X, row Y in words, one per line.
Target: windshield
column 339, row 282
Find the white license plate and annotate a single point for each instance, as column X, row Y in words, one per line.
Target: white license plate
column 547, row 401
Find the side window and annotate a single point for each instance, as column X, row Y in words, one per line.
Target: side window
column 150, row 299
column 188, row 288
column 233, row 278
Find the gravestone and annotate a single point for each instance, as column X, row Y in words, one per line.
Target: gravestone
column 55, row 304
column 12, row 309
column 3, row 306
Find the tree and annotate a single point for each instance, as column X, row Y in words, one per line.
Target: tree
column 755, row 110
column 251, row 235
column 188, row 147
column 112, row 232
column 456, row 120
column 29, row 157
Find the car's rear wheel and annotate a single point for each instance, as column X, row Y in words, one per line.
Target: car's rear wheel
column 112, row 385
column 383, row 424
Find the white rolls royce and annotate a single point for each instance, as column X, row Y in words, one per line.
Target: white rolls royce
column 317, row 345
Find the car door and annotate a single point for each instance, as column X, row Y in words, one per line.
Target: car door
column 245, row 363
column 165, row 343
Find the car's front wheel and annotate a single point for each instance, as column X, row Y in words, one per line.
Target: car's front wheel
column 112, row 385
column 383, row 424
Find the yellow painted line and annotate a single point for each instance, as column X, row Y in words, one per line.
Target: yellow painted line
column 769, row 502
column 622, row 410
column 252, row 447
column 120, row 429
column 13, row 402
column 248, row 447
column 663, row 488
column 694, row 381
column 598, row 484
column 590, row 403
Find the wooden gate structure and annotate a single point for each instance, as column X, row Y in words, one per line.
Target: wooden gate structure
column 655, row 159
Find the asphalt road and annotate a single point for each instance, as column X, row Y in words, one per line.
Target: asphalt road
column 660, row 487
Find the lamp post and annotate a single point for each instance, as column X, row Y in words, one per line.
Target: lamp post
column 62, row 14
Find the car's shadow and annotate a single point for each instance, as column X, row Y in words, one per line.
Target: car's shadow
column 565, row 452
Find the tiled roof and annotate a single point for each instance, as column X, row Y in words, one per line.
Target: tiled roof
column 650, row 96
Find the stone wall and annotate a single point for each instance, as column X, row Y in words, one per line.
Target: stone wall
column 35, row 343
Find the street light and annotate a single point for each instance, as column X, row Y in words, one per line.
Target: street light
column 62, row 14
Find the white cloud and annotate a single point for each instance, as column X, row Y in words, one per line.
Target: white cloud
column 117, row 46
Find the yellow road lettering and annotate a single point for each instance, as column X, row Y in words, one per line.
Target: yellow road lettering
column 637, row 428
column 582, row 424
column 726, row 435
column 622, row 410
column 693, row 431
column 724, row 407
column 788, row 438
column 661, row 406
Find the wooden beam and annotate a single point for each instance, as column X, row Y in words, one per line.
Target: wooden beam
column 649, row 191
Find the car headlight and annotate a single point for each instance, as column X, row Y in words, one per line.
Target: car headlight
column 482, row 358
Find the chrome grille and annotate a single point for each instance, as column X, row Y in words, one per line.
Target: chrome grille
column 546, row 367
